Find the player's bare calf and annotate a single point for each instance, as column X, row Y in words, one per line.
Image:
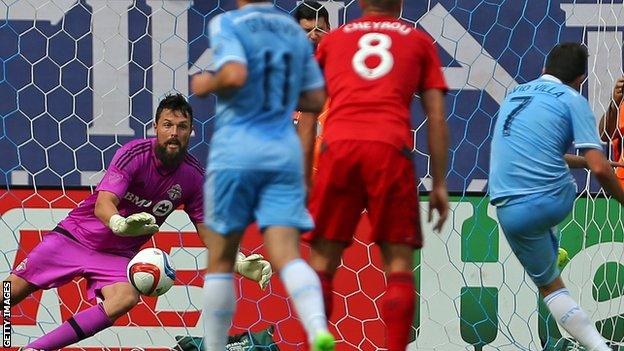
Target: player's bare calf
column 20, row 288
column 119, row 298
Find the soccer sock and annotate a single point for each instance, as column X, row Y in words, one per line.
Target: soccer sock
column 574, row 320
column 78, row 327
column 304, row 288
column 219, row 306
column 327, row 286
column 397, row 309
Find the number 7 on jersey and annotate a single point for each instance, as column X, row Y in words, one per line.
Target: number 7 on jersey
column 524, row 102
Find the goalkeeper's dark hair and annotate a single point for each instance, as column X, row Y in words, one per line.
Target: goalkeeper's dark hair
column 176, row 103
column 311, row 10
column 567, row 61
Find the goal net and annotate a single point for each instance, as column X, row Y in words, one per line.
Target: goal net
column 80, row 78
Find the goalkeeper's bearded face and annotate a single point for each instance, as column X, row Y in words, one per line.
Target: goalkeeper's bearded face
column 173, row 131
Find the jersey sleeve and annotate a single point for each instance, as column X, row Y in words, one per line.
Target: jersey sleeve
column 120, row 172
column 226, row 45
column 583, row 124
column 312, row 76
column 194, row 205
column 431, row 76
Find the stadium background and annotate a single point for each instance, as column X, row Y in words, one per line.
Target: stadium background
column 80, row 78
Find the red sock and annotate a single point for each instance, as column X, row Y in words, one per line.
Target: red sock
column 397, row 309
column 328, row 294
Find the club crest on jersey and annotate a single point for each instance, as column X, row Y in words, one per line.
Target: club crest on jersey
column 162, row 208
column 22, row 265
column 175, row 192
column 114, row 177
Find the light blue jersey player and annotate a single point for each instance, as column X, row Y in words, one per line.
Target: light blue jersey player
column 265, row 69
column 530, row 183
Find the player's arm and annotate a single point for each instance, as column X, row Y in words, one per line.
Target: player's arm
column 106, row 206
column 312, row 100
column 609, row 121
column 229, row 59
column 231, row 77
column 600, row 167
column 306, row 129
column 111, row 189
column 253, row 267
column 433, row 104
column 137, row 224
column 577, row 161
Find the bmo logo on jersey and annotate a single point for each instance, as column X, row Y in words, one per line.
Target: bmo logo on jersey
column 160, row 209
column 134, row 199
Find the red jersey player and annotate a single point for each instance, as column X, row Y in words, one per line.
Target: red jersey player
column 373, row 66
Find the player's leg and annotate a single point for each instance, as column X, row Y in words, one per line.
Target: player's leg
column 106, row 278
column 336, row 203
column 325, row 257
column 399, row 301
column 301, row 282
column 393, row 210
column 119, row 299
column 570, row 315
column 219, row 293
column 29, row 276
column 20, row 288
column 526, row 226
column 50, row 264
column 281, row 215
column 229, row 201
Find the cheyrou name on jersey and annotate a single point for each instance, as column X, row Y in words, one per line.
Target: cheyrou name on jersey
column 395, row 26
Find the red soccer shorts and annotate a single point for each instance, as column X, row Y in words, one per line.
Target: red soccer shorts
column 356, row 175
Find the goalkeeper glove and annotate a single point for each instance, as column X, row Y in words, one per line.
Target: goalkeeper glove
column 134, row 225
column 254, row 267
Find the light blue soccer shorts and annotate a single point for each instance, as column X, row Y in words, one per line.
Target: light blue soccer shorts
column 234, row 198
column 529, row 223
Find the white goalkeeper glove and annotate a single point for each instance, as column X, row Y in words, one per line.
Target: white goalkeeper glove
column 134, row 225
column 254, row 267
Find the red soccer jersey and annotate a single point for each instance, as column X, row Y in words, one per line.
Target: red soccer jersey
column 373, row 66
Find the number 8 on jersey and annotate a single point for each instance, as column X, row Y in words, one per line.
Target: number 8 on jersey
column 373, row 44
column 372, row 67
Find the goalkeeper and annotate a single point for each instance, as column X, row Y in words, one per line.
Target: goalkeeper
column 146, row 180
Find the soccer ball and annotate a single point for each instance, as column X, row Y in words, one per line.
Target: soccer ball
column 151, row 272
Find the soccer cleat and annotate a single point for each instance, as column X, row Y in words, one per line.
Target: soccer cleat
column 324, row 341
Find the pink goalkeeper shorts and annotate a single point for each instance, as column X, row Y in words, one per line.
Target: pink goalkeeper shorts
column 58, row 259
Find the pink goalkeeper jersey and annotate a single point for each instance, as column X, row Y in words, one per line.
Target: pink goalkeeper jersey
column 142, row 184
